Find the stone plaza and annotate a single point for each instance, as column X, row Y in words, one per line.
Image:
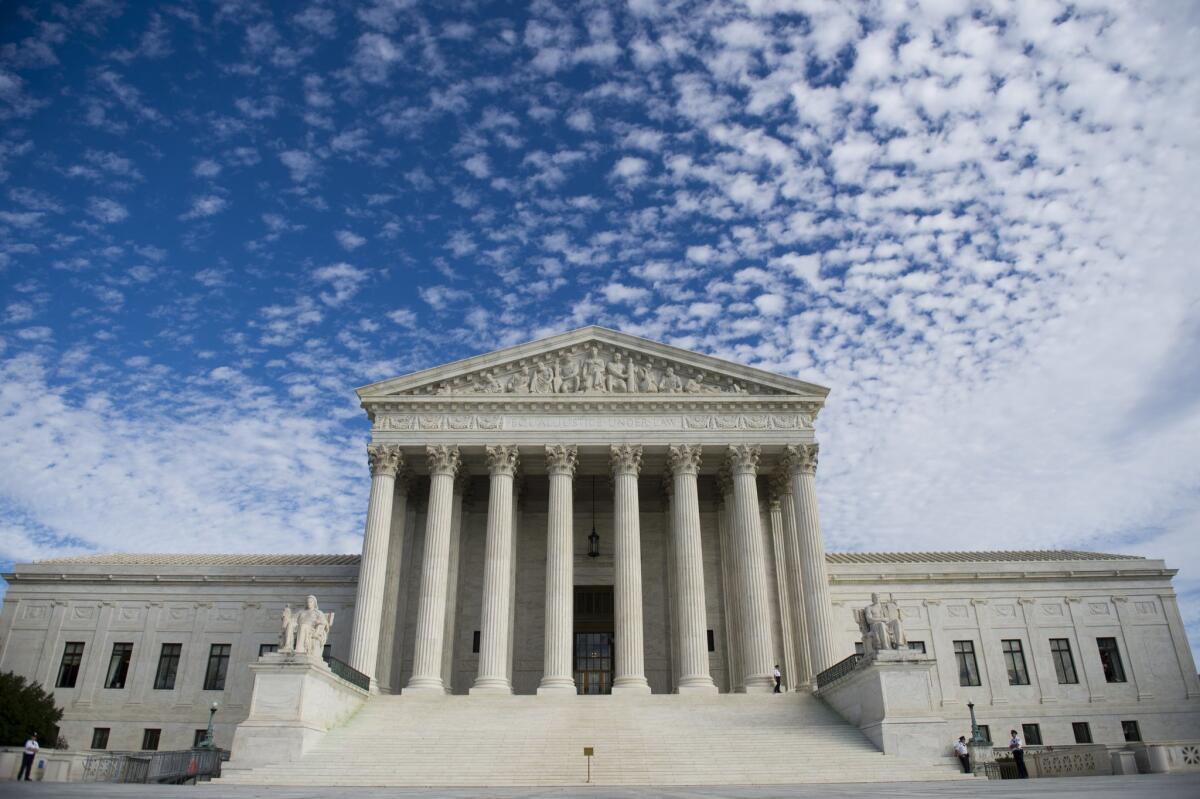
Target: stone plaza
column 599, row 541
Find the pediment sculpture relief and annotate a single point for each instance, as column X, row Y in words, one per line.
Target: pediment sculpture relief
column 592, row 369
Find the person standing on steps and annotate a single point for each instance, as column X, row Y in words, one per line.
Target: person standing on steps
column 778, row 678
column 31, row 750
column 1018, row 753
column 960, row 749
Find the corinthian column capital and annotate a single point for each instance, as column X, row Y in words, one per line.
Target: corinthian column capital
column 684, row 458
column 443, row 459
column 779, row 487
column 743, row 458
column 502, row 458
column 385, row 459
column 801, row 458
column 725, row 481
column 626, row 459
column 561, row 459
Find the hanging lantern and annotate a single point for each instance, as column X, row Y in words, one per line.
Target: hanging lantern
column 593, row 539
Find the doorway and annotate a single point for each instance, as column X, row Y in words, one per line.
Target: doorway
column 593, row 639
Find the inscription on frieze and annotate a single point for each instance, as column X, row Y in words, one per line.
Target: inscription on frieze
column 403, row 422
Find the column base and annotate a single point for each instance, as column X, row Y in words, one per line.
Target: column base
column 630, row 685
column 557, row 686
column 697, row 685
column 425, row 685
column 491, row 685
column 759, row 685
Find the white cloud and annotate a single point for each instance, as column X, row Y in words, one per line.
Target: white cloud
column 107, row 211
column 206, row 168
column 619, row 292
column 208, row 205
column 478, row 165
column 300, row 164
column 349, row 240
column 630, row 168
column 344, row 279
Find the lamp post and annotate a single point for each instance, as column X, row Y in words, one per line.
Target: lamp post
column 976, row 733
column 208, row 738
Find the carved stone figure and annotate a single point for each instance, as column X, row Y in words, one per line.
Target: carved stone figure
column 311, row 630
column 491, row 384
column 287, row 631
column 618, row 377
column 692, row 386
column 519, row 383
column 880, row 625
column 543, row 380
column 670, row 383
column 593, row 371
column 566, row 376
column 645, row 379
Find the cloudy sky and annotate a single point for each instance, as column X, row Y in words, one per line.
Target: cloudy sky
column 976, row 222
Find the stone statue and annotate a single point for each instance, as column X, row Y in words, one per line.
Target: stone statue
column 287, row 631
column 308, row 631
column 543, row 380
column 692, row 386
column 593, row 371
column 880, row 625
column 491, row 384
column 519, row 384
column 670, row 383
column 618, row 377
column 566, row 376
column 645, row 380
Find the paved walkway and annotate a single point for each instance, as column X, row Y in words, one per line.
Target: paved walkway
column 1146, row 786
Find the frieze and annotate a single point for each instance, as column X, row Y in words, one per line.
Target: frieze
column 403, row 422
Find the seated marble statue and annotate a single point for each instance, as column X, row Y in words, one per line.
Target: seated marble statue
column 880, row 625
column 305, row 632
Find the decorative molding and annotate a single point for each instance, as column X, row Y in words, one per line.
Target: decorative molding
column 502, row 458
column 571, row 419
column 801, row 458
column 626, row 459
column 684, row 458
column 384, row 459
column 562, row 459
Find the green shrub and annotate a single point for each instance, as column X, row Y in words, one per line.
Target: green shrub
column 25, row 708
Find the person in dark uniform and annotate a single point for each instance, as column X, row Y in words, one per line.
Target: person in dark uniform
column 1018, row 753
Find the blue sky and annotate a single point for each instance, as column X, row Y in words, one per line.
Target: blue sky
column 974, row 221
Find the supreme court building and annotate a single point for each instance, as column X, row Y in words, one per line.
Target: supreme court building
column 596, row 513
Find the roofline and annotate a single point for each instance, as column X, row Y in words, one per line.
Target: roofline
column 579, row 335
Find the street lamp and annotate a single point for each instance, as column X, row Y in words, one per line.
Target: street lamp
column 208, row 738
column 976, row 733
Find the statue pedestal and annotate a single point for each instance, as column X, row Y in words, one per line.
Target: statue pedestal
column 890, row 697
column 295, row 702
column 983, row 760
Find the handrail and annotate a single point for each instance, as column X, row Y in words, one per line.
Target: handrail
column 153, row 767
column 838, row 670
column 348, row 673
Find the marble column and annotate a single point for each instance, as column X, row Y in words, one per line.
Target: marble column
column 791, row 673
column 630, row 669
column 558, row 676
column 461, row 485
column 694, row 677
column 758, row 665
column 387, row 668
column 385, row 461
column 496, row 617
column 801, row 463
column 444, row 463
column 730, row 589
column 795, row 584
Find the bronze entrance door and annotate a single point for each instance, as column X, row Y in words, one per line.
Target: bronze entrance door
column 593, row 639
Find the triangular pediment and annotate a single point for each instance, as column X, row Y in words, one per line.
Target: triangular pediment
column 592, row 361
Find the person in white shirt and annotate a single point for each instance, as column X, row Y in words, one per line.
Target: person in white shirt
column 31, row 750
column 964, row 757
column 1018, row 752
column 778, row 678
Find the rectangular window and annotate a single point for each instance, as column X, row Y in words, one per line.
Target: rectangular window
column 986, row 732
column 198, row 738
column 118, row 666
column 150, row 740
column 1064, row 662
column 1014, row 660
column 266, row 649
column 168, row 666
column 712, row 642
column 1110, row 659
column 917, row 646
column 218, row 665
column 1032, row 734
column 1083, row 732
column 475, row 643
column 68, row 670
column 100, row 738
column 326, row 651
column 1131, row 731
column 968, row 669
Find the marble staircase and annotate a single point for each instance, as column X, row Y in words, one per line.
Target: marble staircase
column 415, row 740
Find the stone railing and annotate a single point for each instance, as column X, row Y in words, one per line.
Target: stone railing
column 1080, row 760
column 348, row 673
column 1166, row 757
